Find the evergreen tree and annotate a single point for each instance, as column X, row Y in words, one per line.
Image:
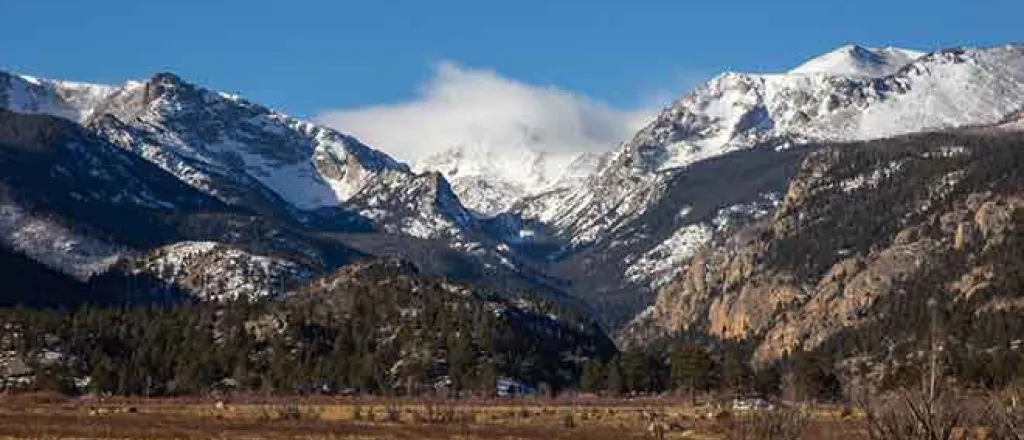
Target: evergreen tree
column 592, row 377
column 691, row 369
column 614, row 382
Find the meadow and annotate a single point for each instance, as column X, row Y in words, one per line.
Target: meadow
column 41, row 416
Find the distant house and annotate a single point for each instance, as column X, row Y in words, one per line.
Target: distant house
column 507, row 387
column 15, row 373
column 503, row 387
column 751, row 404
column 443, row 383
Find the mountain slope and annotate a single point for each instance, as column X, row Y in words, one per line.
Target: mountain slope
column 66, row 99
column 32, row 284
column 82, row 206
column 248, row 164
column 206, row 136
column 609, row 229
column 66, row 194
column 374, row 326
column 490, row 179
column 739, row 111
column 213, row 271
column 417, row 317
column 868, row 232
column 735, row 113
column 247, row 155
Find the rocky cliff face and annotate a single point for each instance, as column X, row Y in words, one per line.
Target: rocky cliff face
column 866, row 232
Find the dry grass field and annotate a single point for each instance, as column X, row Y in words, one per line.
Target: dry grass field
column 52, row 417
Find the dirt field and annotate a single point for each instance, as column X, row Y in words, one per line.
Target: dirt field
column 50, row 417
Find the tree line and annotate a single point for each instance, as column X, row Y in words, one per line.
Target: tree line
column 404, row 341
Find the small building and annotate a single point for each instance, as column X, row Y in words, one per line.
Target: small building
column 508, row 387
column 751, row 404
column 15, row 373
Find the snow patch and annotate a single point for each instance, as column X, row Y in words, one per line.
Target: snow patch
column 871, row 180
column 665, row 261
column 55, row 245
column 216, row 272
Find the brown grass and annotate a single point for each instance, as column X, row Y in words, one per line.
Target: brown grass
column 34, row 417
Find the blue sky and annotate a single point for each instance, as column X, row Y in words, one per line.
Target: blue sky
column 582, row 74
column 309, row 56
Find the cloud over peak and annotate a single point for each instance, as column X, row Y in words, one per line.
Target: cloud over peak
column 480, row 110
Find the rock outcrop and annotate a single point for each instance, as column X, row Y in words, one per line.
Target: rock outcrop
column 866, row 234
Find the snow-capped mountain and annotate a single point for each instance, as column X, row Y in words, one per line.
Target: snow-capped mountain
column 609, row 228
column 855, row 60
column 225, row 146
column 489, row 180
column 253, row 161
column 209, row 137
column 236, row 151
column 81, row 206
column 849, row 94
column 735, row 111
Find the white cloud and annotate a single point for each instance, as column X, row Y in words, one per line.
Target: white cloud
column 481, row 109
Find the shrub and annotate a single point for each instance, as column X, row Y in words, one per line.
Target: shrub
column 777, row 424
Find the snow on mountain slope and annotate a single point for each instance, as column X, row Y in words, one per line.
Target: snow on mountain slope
column 579, row 169
column 206, row 137
column 490, row 180
column 246, row 154
column 487, row 196
column 855, row 60
column 55, row 245
column 667, row 259
column 257, row 159
column 422, row 206
column 659, row 265
column 213, row 271
column 738, row 111
column 65, row 99
column 735, row 112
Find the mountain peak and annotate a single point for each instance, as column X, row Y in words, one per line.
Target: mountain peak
column 857, row 60
column 167, row 84
column 167, row 78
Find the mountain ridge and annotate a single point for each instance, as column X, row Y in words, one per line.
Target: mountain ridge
column 735, row 113
column 612, row 232
column 867, row 233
